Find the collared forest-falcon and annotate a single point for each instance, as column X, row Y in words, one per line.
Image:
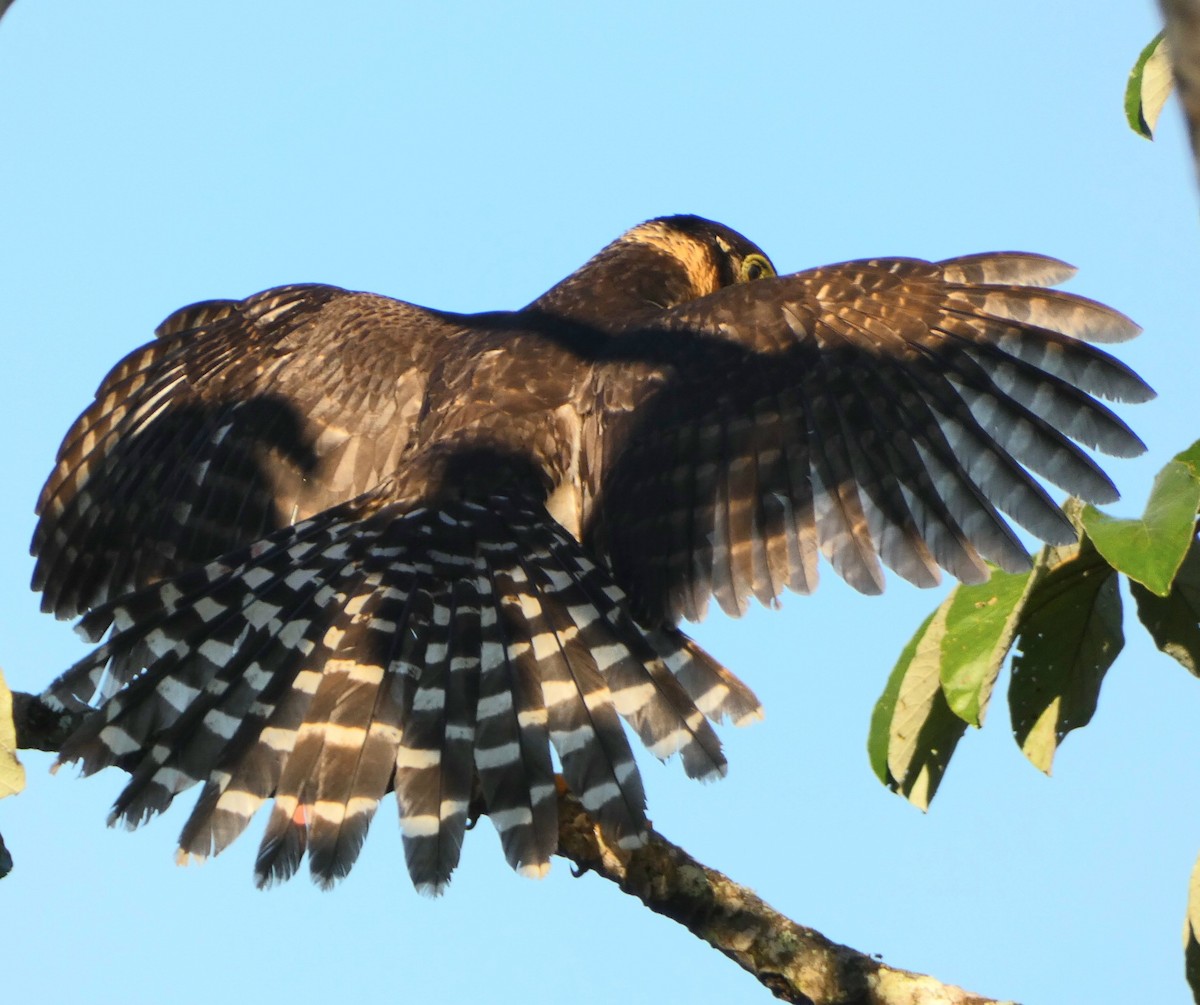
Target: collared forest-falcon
column 347, row 545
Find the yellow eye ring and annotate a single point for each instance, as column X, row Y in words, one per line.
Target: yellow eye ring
column 755, row 267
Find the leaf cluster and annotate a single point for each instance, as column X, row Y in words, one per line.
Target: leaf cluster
column 1061, row 621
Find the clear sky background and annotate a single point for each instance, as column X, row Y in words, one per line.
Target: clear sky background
column 466, row 156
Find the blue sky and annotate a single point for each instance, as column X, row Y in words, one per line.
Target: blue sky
column 466, row 156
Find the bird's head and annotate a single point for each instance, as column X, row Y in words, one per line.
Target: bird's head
column 655, row 266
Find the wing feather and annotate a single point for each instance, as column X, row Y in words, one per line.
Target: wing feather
column 887, row 409
column 240, row 418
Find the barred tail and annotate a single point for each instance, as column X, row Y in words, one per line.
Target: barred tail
column 437, row 652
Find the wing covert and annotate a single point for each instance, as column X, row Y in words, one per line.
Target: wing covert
column 240, row 418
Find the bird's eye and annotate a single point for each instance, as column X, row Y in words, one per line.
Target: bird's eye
column 755, row 267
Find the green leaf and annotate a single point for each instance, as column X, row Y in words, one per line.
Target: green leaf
column 981, row 621
column 880, row 733
column 1149, row 87
column 1173, row 621
column 12, row 774
column 1150, row 550
column 913, row 730
column 1068, row 637
column 1191, row 929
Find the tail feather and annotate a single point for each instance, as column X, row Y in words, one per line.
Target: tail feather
column 584, row 727
column 374, row 646
column 249, row 773
column 208, row 732
column 350, row 787
column 435, row 766
column 512, row 745
column 645, row 693
column 716, row 691
column 172, row 723
column 320, row 742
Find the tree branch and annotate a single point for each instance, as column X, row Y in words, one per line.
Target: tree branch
column 40, row 727
column 1183, row 43
column 795, row 963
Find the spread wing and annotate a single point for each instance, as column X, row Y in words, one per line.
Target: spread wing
column 889, row 409
column 240, row 418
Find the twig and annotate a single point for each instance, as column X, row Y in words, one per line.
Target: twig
column 40, row 727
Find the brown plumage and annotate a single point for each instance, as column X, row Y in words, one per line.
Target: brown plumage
column 348, row 545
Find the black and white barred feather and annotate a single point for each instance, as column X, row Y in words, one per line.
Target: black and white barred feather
column 369, row 648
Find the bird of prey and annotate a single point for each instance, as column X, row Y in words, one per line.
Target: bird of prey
column 346, row 545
